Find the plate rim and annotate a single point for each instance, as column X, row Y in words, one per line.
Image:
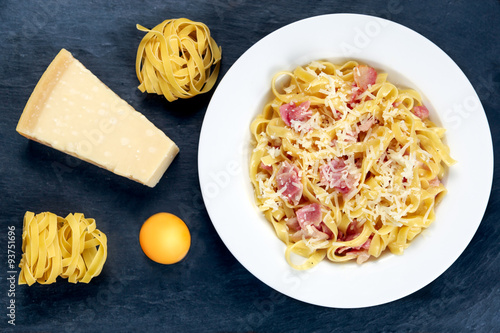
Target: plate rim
column 201, row 158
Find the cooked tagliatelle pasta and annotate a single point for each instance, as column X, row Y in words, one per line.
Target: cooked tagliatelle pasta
column 53, row 246
column 178, row 59
column 345, row 164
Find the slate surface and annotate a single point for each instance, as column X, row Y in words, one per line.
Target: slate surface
column 209, row 291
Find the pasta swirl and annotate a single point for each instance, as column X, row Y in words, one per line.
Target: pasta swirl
column 178, row 59
column 345, row 164
column 53, row 246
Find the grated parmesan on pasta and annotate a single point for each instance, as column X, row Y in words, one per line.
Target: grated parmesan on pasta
column 370, row 163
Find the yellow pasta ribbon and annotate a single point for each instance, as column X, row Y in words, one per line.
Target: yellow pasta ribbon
column 178, row 59
column 53, row 246
column 398, row 160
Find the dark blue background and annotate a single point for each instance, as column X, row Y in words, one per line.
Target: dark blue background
column 209, row 291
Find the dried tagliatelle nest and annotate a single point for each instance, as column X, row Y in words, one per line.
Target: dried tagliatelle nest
column 53, row 246
column 178, row 59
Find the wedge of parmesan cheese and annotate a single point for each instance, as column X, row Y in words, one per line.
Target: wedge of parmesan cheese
column 71, row 110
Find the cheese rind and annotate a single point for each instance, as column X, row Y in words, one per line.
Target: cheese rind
column 72, row 111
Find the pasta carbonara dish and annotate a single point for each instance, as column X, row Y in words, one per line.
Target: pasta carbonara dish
column 345, row 165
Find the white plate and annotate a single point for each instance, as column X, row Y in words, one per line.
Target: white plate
column 411, row 60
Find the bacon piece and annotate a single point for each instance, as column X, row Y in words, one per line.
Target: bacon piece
column 293, row 224
column 291, row 112
column 364, row 76
column 420, row 111
column 362, row 256
column 266, row 167
column 308, row 224
column 309, row 215
column 310, row 232
column 337, row 115
column 289, row 183
column 334, row 175
column 326, row 230
column 434, row 182
column 364, row 246
column 366, row 124
column 352, row 232
column 351, row 137
column 355, row 93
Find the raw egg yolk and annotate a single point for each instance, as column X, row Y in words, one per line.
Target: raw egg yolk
column 165, row 238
